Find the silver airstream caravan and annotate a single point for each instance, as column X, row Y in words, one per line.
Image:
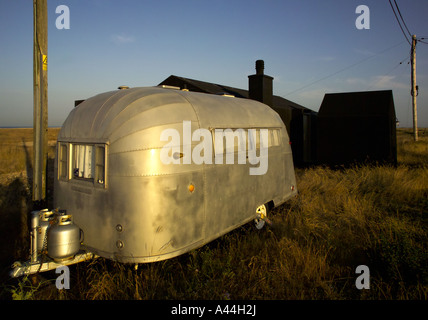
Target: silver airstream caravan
column 140, row 194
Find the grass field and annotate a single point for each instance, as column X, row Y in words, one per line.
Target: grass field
column 363, row 215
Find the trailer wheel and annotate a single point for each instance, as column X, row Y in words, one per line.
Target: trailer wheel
column 262, row 212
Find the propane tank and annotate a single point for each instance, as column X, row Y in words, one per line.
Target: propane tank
column 45, row 217
column 64, row 238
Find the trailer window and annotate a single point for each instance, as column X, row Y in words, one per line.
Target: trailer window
column 274, row 137
column 99, row 164
column 63, row 161
column 229, row 140
column 82, row 161
column 235, row 140
column 88, row 163
column 254, row 140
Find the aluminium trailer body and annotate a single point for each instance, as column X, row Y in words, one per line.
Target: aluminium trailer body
column 133, row 207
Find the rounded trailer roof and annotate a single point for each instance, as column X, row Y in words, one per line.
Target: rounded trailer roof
column 113, row 115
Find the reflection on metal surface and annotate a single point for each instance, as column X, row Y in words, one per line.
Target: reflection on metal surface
column 145, row 210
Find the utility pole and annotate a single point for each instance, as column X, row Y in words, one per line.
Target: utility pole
column 40, row 96
column 414, row 90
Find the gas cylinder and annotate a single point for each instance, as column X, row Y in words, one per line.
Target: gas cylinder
column 45, row 217
column 64, row 238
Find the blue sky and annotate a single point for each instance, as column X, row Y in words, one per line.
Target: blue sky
column 310, row 47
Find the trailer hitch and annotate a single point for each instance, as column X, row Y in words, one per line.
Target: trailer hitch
column 261, row 217
column 264, row 218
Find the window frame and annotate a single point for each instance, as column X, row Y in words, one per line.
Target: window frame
column 98, row 163
column 63, row 161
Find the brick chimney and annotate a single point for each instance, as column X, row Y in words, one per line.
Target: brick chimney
column 260, row 86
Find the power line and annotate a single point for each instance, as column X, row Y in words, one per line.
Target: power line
column 406, row 58
column 414, row 90
column 386, row 74
column 421, row 40
column 398, row 20
column 398, row 9
column 344, row 69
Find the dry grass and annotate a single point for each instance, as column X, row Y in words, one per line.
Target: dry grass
column 16, row 149
column 342, row 218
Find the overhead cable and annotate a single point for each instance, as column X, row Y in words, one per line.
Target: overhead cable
column 398, row 20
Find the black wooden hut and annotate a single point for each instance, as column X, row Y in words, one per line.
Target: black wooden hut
column 356, row 127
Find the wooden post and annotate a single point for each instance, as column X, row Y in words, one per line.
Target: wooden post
column 40, row 95
column 414, row 89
